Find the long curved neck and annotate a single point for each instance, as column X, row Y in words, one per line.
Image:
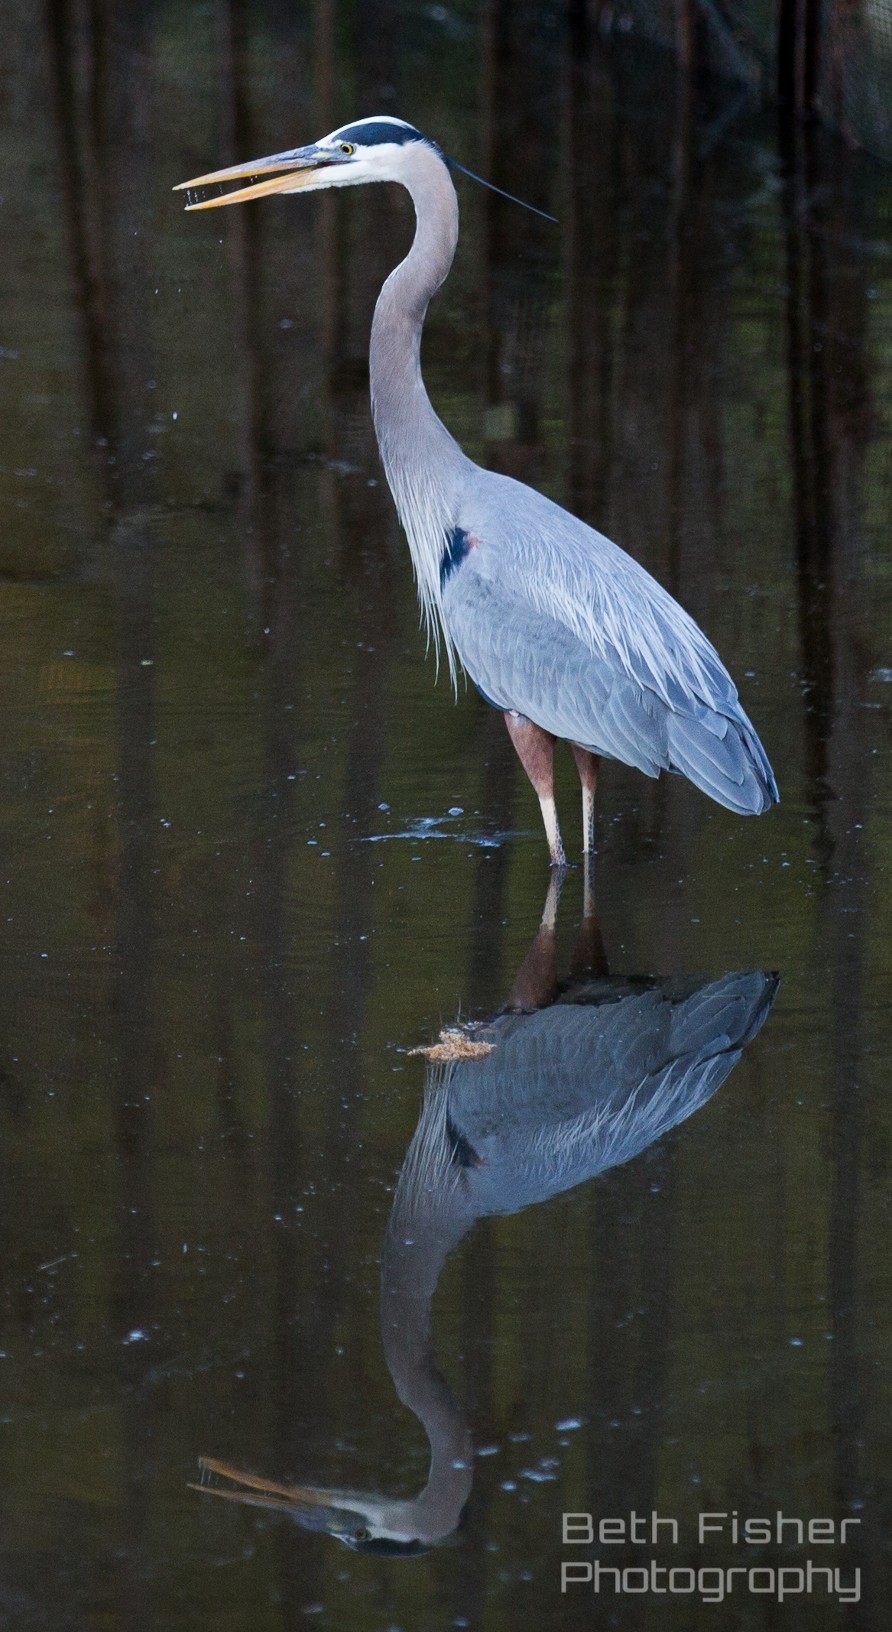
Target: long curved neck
column 424, row 465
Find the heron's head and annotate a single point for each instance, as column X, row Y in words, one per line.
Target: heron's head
column 377, row 149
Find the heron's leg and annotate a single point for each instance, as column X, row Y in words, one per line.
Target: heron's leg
column 535, row 750
column 587, row 765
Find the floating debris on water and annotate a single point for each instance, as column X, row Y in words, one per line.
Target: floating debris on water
column 455, row 1044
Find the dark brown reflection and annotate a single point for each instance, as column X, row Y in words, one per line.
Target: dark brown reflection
column 103, row 118
column 512, row 269
column 569, row 1079
column 832, row 420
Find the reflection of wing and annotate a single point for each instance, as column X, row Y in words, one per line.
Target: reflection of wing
column 586, row 1085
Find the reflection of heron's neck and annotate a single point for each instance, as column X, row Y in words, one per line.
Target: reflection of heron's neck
column 429, row 1217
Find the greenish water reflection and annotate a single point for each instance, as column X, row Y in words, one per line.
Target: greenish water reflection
column 215, row 698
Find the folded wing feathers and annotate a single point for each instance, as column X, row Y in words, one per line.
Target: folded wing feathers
column 657, row 693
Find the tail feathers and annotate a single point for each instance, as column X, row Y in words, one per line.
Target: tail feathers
column 732, row 768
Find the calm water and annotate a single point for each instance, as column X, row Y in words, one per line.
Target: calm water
column 253, row 856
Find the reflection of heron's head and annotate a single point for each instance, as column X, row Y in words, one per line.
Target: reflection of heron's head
column 363, row 1520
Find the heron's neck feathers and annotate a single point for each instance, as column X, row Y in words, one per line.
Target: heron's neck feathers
column 425, row 467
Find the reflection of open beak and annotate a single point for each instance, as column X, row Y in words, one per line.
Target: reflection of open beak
column 280, row 173
column 313, row 1509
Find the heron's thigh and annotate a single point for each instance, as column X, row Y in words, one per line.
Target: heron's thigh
column 587, row 765
column 535, row 750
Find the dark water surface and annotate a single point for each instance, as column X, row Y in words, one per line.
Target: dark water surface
column 252, row 855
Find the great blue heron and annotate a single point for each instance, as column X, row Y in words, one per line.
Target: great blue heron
column 536, row 1103
column 556, row 625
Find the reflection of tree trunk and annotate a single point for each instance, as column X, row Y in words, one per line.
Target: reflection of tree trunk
column 77, row 136
column 329, row 260
column 683, row 293
column 271, row 571
column 848, row 31
column 138, row 1082
column 661, row 1275
column 358, row 524
column 813, row 458
column 285, row 1153
column 841, row 367
column 103, row 139
column 811, row 52
column 377, row 51
column 693, row 410
column 512, row 144
column 686, row 20
column 787, row 30
column 241, row 227
column 799, row 50
column 610, row 1386
column 847, row 817
column 113, row 200
column 830, row 421
column 592, row 246
column 806, row 330
column 845, row 1224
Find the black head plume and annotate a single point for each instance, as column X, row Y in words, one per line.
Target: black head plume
column 454, row 165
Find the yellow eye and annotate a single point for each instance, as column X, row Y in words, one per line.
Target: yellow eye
column 361, row 1534
column 347, row 147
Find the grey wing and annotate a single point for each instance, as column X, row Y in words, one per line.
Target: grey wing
column 534, row 664
column 554, row 620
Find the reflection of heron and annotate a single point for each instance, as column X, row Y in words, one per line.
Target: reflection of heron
column 556, row 625
column 547, row 1099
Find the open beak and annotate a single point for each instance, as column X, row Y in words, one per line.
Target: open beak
column 280, row 173
column 313, row 1509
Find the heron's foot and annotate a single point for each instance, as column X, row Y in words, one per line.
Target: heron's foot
column 553, row 834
